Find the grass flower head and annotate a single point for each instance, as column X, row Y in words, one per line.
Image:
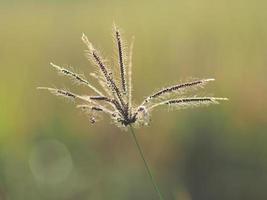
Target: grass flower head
column 114, row 98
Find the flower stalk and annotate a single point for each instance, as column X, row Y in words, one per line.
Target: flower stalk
column 146, row 165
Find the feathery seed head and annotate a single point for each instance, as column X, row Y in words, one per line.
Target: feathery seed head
column 115, row 96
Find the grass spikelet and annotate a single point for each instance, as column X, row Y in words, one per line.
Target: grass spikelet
column 98, row 108
column 178, row 88
column 121, row 57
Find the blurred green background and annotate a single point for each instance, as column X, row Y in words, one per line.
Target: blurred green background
column 49, row 150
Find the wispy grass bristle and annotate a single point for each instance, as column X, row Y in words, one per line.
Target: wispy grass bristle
column 130, row 87
column 59, row 92
column 75, row 77
column 69, row 73
column 102, row 83
column 97, row 77
column 189, row 102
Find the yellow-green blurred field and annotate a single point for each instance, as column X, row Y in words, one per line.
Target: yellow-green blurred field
column 50, row 151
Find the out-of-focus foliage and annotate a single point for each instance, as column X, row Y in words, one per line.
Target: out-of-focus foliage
column 48, row 149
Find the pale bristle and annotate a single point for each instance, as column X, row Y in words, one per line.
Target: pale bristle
column 102, row 83
column 86, row 42
column 59, row 92
column 189, row 102
column 75, row 77
column 130, row 85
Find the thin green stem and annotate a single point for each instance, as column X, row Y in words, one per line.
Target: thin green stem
column 146, row 165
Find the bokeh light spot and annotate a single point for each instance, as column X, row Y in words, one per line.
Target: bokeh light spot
column 50, row 162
